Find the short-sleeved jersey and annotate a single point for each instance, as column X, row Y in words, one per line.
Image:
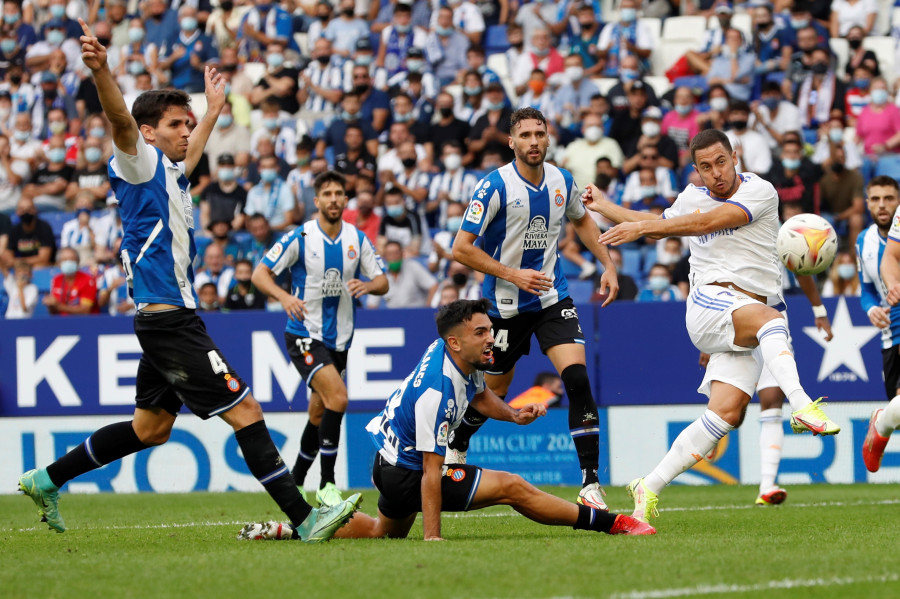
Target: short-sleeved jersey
column 521, row 225
column 869, row 252
column 320, row 268
column 743, row 255
column 158, row 225
column 428, row 405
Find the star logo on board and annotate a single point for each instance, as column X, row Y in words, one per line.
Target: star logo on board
column 845, row 348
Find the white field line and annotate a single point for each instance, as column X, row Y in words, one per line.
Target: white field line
column 505, row 514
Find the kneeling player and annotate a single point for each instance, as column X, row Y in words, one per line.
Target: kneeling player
column 411, row 435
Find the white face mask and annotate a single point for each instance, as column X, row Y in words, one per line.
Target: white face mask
column 650, row 128
column 574, row 73
column 719, row 104
column 452, row 162
column 593, row 134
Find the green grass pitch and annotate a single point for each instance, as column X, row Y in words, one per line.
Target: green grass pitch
column 825, row 541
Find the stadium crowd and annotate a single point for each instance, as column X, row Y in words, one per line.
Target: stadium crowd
column 411, row 101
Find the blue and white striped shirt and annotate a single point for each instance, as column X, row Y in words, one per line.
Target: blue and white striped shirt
column 869, row 252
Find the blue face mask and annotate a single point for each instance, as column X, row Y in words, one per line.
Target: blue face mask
column 628, row 15
column 861, row 83
column 658, row 283
column 403, row 28
column 770, row 103
column 135, row 35
column 846, row 271
column 68, row 267
column 836, row 135
column 350, row 116
column 11, row 19
column 224, row 121
column 790, row 164
column 98, row 132
column 226, row 174
column 472, row 90
column 8, row 46
column 268, row 175
column 57, row 11
column 275, row 60
column 683, row 109
column 444, row 31
column 135, row 68
column 629, row 74
column 454, row 223
column 56, row 155
column 188, row 24
column 55, row 37
column 495, row 105
column 395, row 211
column 93, row 154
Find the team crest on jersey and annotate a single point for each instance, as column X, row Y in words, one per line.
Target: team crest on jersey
column 558, row 198
column 233, row 385
column 275, row 251
column 456, row 474
column 351, row 252
column 537, row 237
column 475, row 212
column 308, row 359
column 188, row 206
column 333, row 286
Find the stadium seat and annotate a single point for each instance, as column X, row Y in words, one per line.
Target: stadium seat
column 201, row 243
column 660, row 85
column 302, row 42
column 888, row 165
column 41, row 278
column 883, row 20
column 569, row 269
column 604, row 84
column 741, row 20
column 495, row 40
column 499, row 64
column 56, row 220
column 39, row 308
column 581, row 291
column 883, row 47
column 631, row 262
column 255, row 71
column 684, row 28
column 895, row 19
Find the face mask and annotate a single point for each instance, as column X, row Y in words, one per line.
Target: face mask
column 846, row 271
column 268, row 175
column 861, row 83
column 790, row 164
column 629, row 74
column 93, row 154
column 574, row 73
column 719, row 104
column 402, row 118
column 361, row 88
column 395, row 211
column 446, row 111
column 879, row 96
column 224, row 121
column 454, row 223
column 650, row 128
column 452, row 161
column 409, row 162
column 68, row 267
column 836, row 135
column 738, row 125
column 208, row 306
column 648, row 191
column 275, row 60
column 270, row 123
column 444, row 31
column 538, row 52
column 350, row 116
column 55, row 37
column 57, row 127
column 104, row 41
column 227, row 5
column 495, row 105
column 135, row 68
column 395, row 266
column 226, row 174
column 460, row 279
column 473, row 90
column 667, row 258
column 593, row 134
column 402, row 28
column 7, row 46
column 770, row 103
column 764, row 25
column 658, row 283
column 135, row 35
column 837, row 168
column 51, row 93
column 819, row 68
column 15, row 79
column 347, row 12
column 27, row 218
column 56, row 155
column 98, row 132
column 188, row 24
column 628, row 15
column 799, row 23
column 21, row 135
column 683, row 109
column 364, row 60
column 81, row 211
column 415, row 65
column 11, row 19
column 854, row 43
column 303, row 161
column 57, row 11
column 323, row 60
column 537, row 87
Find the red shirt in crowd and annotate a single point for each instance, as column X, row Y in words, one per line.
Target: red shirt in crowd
column 82, row 290
column 369, row 227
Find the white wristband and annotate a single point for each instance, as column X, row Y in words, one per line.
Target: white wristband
column 820, row 312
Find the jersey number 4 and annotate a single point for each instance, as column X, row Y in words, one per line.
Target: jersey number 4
column 501, row 339
column 218, row 364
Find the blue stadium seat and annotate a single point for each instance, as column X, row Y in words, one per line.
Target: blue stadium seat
column 39, row 308
column 41, row 277
column 202, row 243
column 649, row 255
column 375, row 39
column 495, row 40
column 581, row 291
column 318, row 129
column 569, row 269
column 888, row 165
column 810, row 136
column 631, row 262
column 241, row 238
column 56, row 220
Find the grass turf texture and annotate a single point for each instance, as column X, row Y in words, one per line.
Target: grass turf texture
column 825, row 541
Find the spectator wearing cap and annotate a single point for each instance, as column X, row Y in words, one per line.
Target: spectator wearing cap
column 347, row 29
column 37, row 56
column 279, row 81
column 446, row 48
column 363, row 56
column 321, row 81
column 350, row 114
column 31, row 239
column 448, row 128
column 375, row 104
column 224, row 22
column 228, row 137
column 773, row 116
column 264, row 24
column 224, row 200
column 12, row 173
column 52, row 96
column 72, row 292
column 582, row 154
column 626, row 122
column 733, row 67
column 630, row 73
column 188, row 56
column 680, row 124
column 651, row 137
column 48, row 185
column 627, row 37
column 13, row 23
column 91, row 174
column 541, row 55
column 752, row 150
column 397, row 38
column 491, row 130
column 713, row 39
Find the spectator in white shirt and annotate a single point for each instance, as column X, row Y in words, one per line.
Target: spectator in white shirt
column 215, row 271
column 752, row 150
column 23, row 294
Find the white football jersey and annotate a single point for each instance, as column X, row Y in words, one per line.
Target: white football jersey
column 744, row 255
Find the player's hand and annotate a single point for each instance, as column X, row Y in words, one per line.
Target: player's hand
column 357, row 288
column 824, row 325
column 593, row 198
column 609, row 286
column 621, row 233
column 93, row 54
column 704, row 359
column 294, row 307
column 893, row 296
column 530, row 413
column 532, row 281
column 880, row 317
column 215, row 90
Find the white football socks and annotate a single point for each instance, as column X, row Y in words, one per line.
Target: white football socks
column 778, row 357
column 694, row 442
column 771, row 438
column 889, row 419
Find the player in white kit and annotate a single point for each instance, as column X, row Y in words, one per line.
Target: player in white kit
column 735, row 280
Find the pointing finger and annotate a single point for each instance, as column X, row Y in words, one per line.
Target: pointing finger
column 85, row 28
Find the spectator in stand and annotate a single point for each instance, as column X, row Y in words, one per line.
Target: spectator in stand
column 832, row 137
column 264, row 25
column 10, row 51
column 224, row 23
column 801, row 17
column 72, row 292
column 117, row 16
column 51, row 97
column 515, row 35
column 770, row 45
column 322, row 15
column 680, row 124
column 189, row 55
column 12, row 173
column 627, row 287
column 237, row 84
column 54, row 37
column 215, row 271
column 878, row 125
column 271, row 197
column 22, row 145
column 265, row 148
column 583, row 39
column 796, row 179
column 491, row 130
column 92, row 177
column 344, row 31
column 752, row 150
column 472, row 102
column 442, row 244
column 857, row 96
column 262, row 238
column 390, row 160
column 627, row 37
column 539, row 95
column 713, row 39
column 461, row 280
column 800, row 62
column 534, row 16
column 627, row 123
column 617, row 97
column 846, row 14
column 375, row 104
column 48, row 185
column 540, row 55
column 859, row 56
column 448, row 128
column 398, row 225
column 649, row 188
column 582, row 154
column 446, row 48
column 659, row 286
column 411, row 179
column 13, row 23
column 364, row 217
column 733, row 67
column 209, row 299
column 321, row 81
column 350, row 114
column 821, row 91
column 78, row 233
column 469, row 17
column 842, row 196
column 573, row 98
column 23, row 294
column 842, row 278
column 243, row 294
column 280, row 80
column 397, row 38
column 403, row 112
column 230, row 138
column 773, row 116
column 224, row 200
column 21, row 92
column 356, row 160
column 411, row 285
column 300, row 180
column 651, row 137
column 277, row 126
column 56, row 127
column 112, row 288
column 364, row 56
column 382, row 16
column 452, row 185
column 160, row 24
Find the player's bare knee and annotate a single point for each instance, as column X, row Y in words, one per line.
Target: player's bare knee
column 152, row 437
column 336, row 401
column 516, row 488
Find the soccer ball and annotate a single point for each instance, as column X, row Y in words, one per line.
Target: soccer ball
column 806, row 244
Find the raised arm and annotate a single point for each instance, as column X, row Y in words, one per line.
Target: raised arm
column 215, row 100
column 124, row 128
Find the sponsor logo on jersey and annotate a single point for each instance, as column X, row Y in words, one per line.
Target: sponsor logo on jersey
column 475, row 212
column 188, row 207
column 333, row 286
column 517, row 203
column 275, row 251
column 568, row 313
column 558, row 198
column 537, row 237
column 351, row 252
column 443, row 431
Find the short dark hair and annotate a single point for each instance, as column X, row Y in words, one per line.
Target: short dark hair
column 306, row 143
column 526, row 114
column 708, row 138
column 884, row 181
column 150, row 106
column 740, row 106
column 454, row 313
column 393, row 191
column 244, row 261
column 477, row 49
column 329, row 177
